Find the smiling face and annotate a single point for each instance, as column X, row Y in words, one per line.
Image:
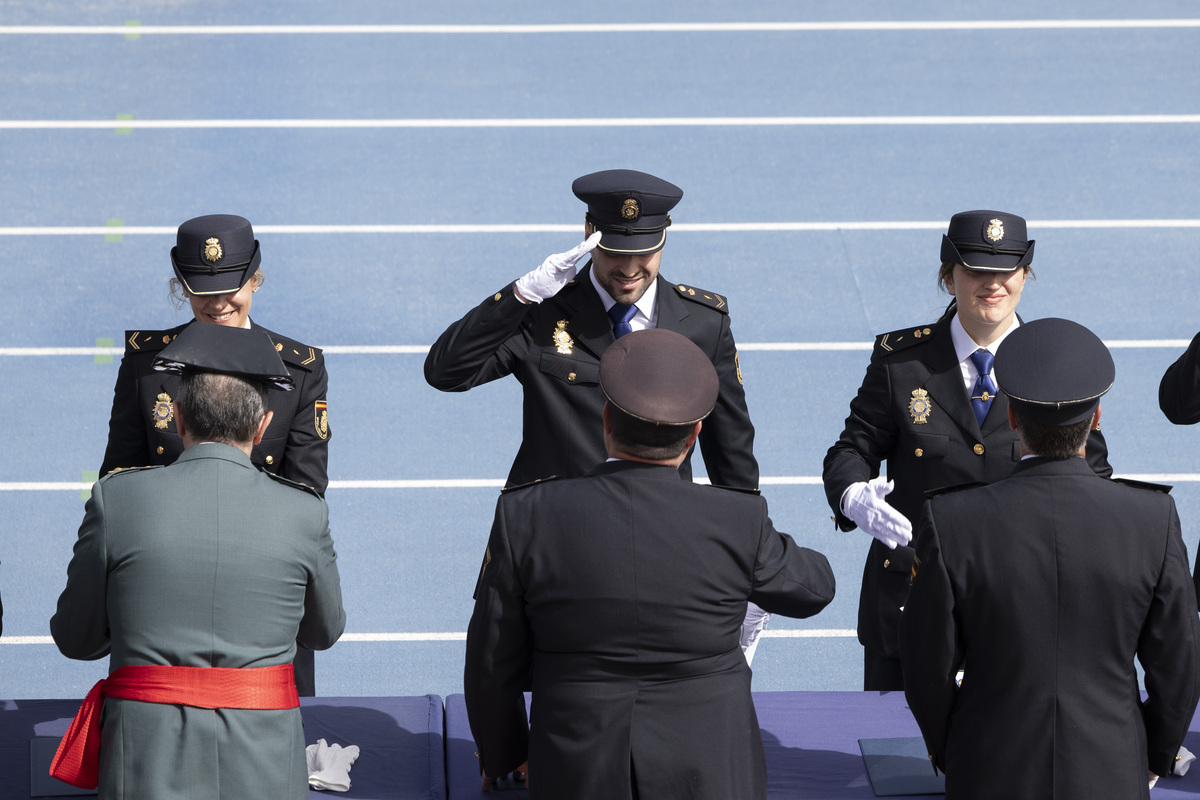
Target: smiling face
column 987, row 301
column 225, row 309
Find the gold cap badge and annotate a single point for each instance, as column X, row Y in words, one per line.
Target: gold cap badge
column 631, row 210
column 994, row 230
column 212, row 250
column 920, row 406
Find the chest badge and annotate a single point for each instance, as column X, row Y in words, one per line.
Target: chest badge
column 920, row 406
column 162, row 413
column 562, row 339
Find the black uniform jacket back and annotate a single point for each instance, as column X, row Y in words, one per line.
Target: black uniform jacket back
column 915, row 370
column 1044, row 587
column 553, row 348
column 626, row 590
column 141, row 430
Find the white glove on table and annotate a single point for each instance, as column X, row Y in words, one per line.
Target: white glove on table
column 555, row 272
column 329, row 765
column 863, row 503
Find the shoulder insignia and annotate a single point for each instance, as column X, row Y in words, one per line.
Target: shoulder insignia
column 521, row 486
column 1150, row 487
column 742, row 489
column 955, row 488
column 703, row 296
column 149, row 341
column 123, row 470
column 888, row 343
column 295, row 354
column 289, row 482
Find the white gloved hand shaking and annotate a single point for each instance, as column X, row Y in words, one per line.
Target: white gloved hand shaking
column 863, row 503
column 329, row 765
column 555, row 272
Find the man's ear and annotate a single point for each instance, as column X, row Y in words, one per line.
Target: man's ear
column 1012, row 418
column 262, row 427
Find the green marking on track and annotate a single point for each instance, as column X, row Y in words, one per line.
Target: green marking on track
column 124, row 118
column 88, row 477
column 114, row 223
column 133, row 36
column 104, row 358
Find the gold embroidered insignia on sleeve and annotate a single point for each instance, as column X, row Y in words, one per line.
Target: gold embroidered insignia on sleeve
column 738, row 366
column 162, row 413
column 562, row 339
column 920, row 406
column 321, row 419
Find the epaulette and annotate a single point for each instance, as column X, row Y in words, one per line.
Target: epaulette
column 521, row 486
column 704, row 297
column 742, row 489
column 295, row 354
column 888, row 343
column 952, row 489
column 148, row 341
column 123, row 470
column 1151, row 487
column 289, row 482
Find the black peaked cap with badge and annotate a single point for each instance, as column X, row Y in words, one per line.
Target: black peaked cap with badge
column 659, row 377
column 631, row 208
column 987, row 241
column 215, row 254
column 1054, row 371
column 243, row 352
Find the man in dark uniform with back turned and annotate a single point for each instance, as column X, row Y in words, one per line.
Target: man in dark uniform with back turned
column 1043, row 587
column 550, row 328
column 624, row 590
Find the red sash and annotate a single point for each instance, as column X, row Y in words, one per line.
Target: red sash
column 77, row 761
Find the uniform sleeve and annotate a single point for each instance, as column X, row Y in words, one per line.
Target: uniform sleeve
column 306, row 454
column 128, row 444
column 1169, row 651
column 931, row 651
column 867, row 440
column 789, row 580
column 727, row 435
column 480, row 347
column 80, row 624
column 498, row 658
column 1097, row 454
column 1179, row 390
column 324, row 618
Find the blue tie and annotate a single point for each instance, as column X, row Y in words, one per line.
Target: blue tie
column 620, row 314
column 985, row 387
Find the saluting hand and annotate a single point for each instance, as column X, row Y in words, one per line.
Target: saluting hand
column 863, row 503
column 554, row 273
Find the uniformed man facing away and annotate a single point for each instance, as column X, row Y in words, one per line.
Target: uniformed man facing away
column 624, row 591
column 1043, row 587
column 197, row 580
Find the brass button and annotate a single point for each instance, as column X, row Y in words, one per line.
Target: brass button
column 918, row 452
column 160, row 449
column 497, row 297
column 570, row 376
column 917, row 334
column 270, row 459
column 927, row 331
column 887, row 562
column 978, row 449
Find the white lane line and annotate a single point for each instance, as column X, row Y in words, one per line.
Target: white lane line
column 422, row 349
column 496, row 483
column 679, row 227
column 461, row 636
column 624, row 28
column 603, row 122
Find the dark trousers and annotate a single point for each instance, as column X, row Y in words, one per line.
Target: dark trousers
column 880, row 673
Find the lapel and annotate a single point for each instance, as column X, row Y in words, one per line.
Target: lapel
column 945, row 383
column 590, row 326
column 673, row 311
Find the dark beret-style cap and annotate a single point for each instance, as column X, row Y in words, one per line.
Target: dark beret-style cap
column 987, row 241
column 246, row 353
column 659, row 376
column 1054, row 371
column 215, row 254
column 631, row 208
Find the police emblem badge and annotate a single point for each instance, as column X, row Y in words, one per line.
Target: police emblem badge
column 321, row 419
column 920, row 406
column 162, row 413
column 631, row 210
column 562, row 339
column 212, row 250
column 994, row 230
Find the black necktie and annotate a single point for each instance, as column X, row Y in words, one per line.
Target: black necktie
column 985, row 387
column 620, row 314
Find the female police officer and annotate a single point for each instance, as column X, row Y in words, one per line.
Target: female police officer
column 216, row 261
column 928, row 406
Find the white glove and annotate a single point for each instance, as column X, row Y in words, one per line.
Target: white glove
column 555, row 272
column 863, row 503
column 754, row 624
column 1153, row 779
column 329, row 765
column 1183, row 760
